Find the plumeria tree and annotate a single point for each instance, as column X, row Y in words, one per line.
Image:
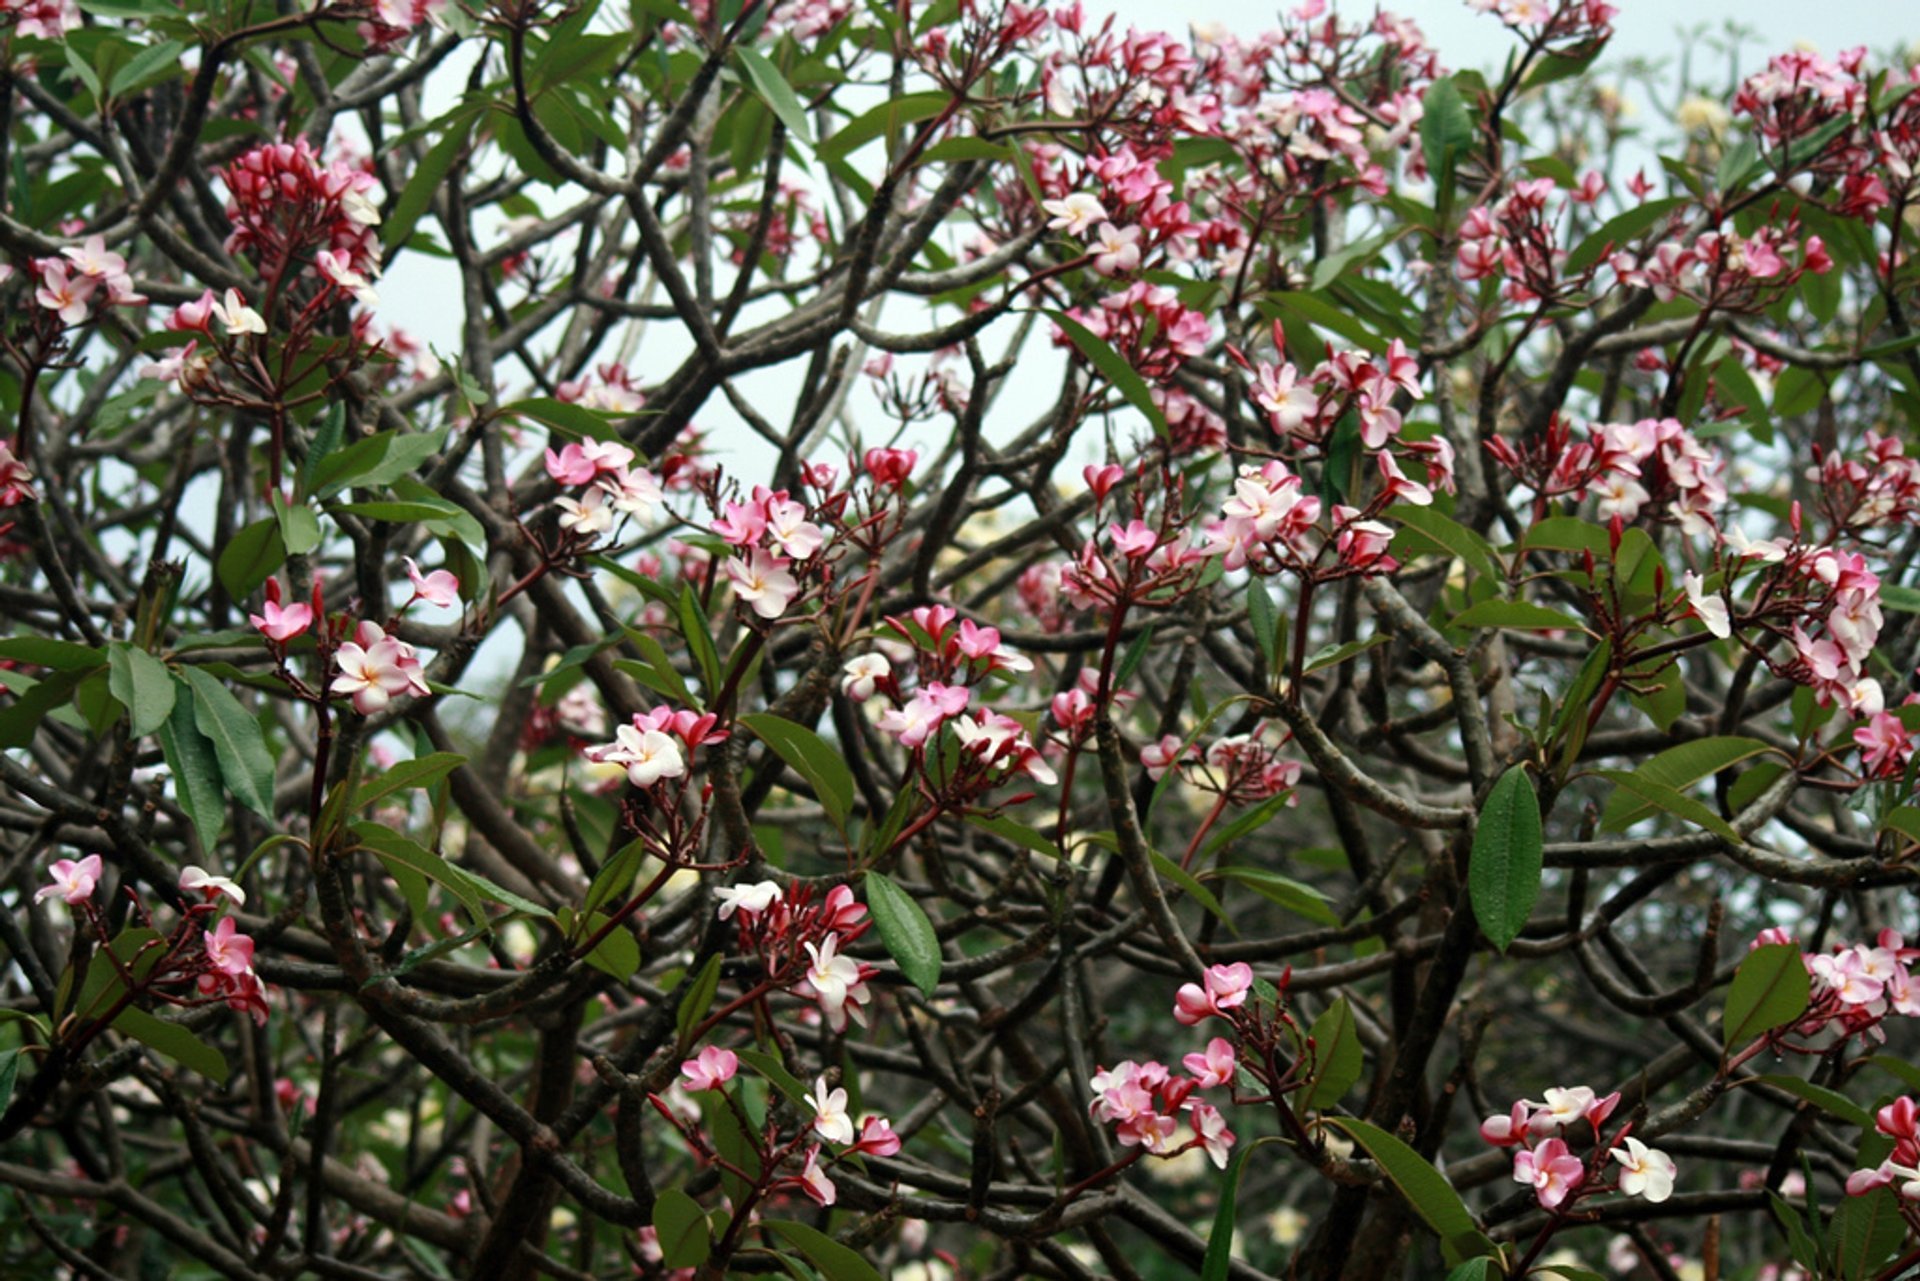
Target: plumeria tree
column 950, row 639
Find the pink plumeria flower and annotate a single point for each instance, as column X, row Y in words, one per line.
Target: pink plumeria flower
column 837, row 983
column 337, row 267
column 281, row 624
column 761, row 581
column 440, row 588
column 375, row 667
column 862, row 674
column 1211, row 1129
column 233, row 312
column 750, row 900
column 228, row 952
column 1214, row 1066
column 1226, row 988
column 1116, row 250
column 1075, row 214
column 74, row 880
column 1710, row 610
column 830, row 1118
column 1158, row 758
column 197, row 880
column 1644, row 1171
column 814, row 1180
column 1551, row 1170
column 712, row 1068
column 877, row 1137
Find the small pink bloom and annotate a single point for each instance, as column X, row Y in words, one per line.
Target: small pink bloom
column 74, row 880
column 1213, row 1067
column 439, row 588
column 228, row 952
column 196, row 880
column 710, row 1069
column 281, row 625
column 1551, row 1170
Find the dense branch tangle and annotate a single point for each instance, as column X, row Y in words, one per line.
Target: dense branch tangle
column 796, row 798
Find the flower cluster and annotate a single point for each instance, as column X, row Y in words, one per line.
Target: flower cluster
column 40, row 19
column 1654, row 465
column 216, row 962
column 658, row 744
column 772, row 534
column 1855, row 986
column 80, row 279
column 832, row 1123
column 1544, row 1162
column 609, row 486
column 286, row 206
column 1899, row 1121
column 800, row 943
column 1144, row 1101
column 376, row 668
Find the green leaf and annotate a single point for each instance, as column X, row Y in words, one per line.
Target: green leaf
column 1015, row 832
column 1337, row 1060
column 1805, row 1251
column 172, row 1040
column 20, row 719
column 1503, row 872
column 45, row 651
column 1187, row 881
column 1135, row 655
column 770, row 1066
column 373, row 461
column 1334, row 655
column 1451, row 537
column 1217, row 1265
column 1474, row 1269
column 1125, row 378
column 685, row 1236
column 1829, row 1101
column 697, row 630
column 906, row 930
column 402, row 854
column 812, row 758
column 1659, row 796
column 1678, row 768
column 1516, row 615
column 1568, row 534
column 576, row 421
column 886, row 118
column 143, row 685
column 422, row 771
column 1265, row 620
column 494, row 892
column 617, row 953
column 1297, row 897
column 1424, row 1187
column 1770, row 988
column 9, row 1073
column 698, row 1000
column 1446, row 131
column 148, row 67
column 1865, row 1232
column 615, row 876
column 196, row 772
column 250, row 558
column 245, row 764
column 417, row 196
column 779, row 95
column 299, row 527
column 1616, row 231
column 835, row 1261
